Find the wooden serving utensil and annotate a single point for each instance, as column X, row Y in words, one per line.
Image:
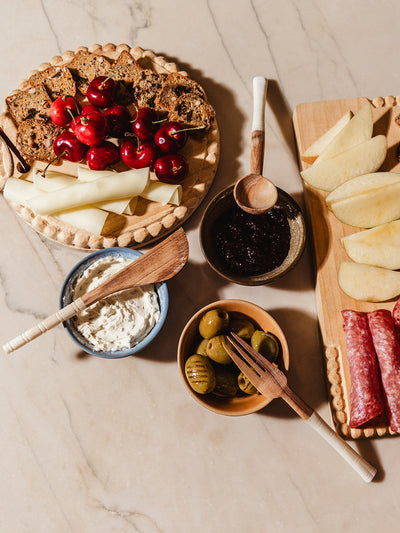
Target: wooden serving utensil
column 254, row 193
column 272, row 383
column 24, row 165
column 158, row 264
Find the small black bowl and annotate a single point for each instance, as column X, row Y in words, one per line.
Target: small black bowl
column 223, row 202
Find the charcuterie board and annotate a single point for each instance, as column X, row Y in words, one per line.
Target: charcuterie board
column 310, row 121
column 151, row 220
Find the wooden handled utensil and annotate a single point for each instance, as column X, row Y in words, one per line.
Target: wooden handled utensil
column 25, row 167
column 254, row 193
column 271, row 382
column 158, row 264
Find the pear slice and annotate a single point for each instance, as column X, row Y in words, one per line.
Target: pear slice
column 358, row 130
column 313, row 151
column 368, row 283
column 379, row 246
column 361, row 159
column 362, row 184
column 369, row 208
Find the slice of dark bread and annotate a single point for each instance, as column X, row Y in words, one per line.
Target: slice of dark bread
column 56, row 80
column 175, row 85
column 85, row 66
column 35, row 138
column 125, row 68
column 146, row 88
column 30, row 103
column 193, row 112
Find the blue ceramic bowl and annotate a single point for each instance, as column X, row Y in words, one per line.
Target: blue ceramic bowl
column 66, row 298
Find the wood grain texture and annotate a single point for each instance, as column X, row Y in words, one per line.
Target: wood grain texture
column 151, row 220
column 310, row 121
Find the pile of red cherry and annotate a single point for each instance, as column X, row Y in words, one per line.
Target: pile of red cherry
column 143, row 141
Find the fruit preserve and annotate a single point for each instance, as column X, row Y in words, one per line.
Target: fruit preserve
column 250, row 245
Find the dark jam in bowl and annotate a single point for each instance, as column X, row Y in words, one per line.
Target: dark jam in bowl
column 252, row 244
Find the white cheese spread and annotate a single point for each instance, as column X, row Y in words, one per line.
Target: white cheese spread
column 121, row 320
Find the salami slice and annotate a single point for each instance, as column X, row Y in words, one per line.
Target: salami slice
column 387, row 349
column 366, row 400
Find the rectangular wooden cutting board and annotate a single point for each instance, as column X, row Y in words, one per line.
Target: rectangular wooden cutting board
column 310, row 121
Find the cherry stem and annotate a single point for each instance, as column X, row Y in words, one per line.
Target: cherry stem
column 137, row 114
column 43, row 172
column 71, row 114
column 113, row 71
column 187, row 129
column 65, row 96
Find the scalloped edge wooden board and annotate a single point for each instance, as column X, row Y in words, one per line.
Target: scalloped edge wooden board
column 154, row 221
column 310, row 121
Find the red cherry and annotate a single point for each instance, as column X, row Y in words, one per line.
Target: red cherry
column 144, row 125
column 118, row 117
column 88, row 108
column 101, row 91
column 102, row 156
column 92, row 128
column 171, row 168
column 171, row 137
column 138, row 154
column 67, row 146
column 63, row 110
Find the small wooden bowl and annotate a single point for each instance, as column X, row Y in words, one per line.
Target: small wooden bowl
column 223, row 202
column 190, row 337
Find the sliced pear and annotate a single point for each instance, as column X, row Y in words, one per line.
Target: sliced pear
column 361, row 159
column 379, row 246
column 357, row 131
column 362, row 184
column 313, row 151
column 369, row 209
column 368, row 283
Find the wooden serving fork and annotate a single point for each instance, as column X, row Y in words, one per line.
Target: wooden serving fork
column 159, row 264
column 272, row 383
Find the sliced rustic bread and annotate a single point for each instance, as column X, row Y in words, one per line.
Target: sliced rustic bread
column 193, row 112
column 175, row 85
column 85, row 66
column 146, row 87
column 126, row 68
column 35, row 138
column 56, row 80
column 30, row 103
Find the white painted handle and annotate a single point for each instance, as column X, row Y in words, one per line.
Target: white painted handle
column 259, row 95
column 364, row 469
column 53, row 320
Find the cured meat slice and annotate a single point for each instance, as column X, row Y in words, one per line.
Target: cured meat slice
column 366, row 399
column 387, row 349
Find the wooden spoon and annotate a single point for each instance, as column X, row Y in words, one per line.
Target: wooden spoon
column 158, row 264
column 254, row 193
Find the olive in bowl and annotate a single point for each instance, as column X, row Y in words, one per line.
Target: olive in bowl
column 212, row 378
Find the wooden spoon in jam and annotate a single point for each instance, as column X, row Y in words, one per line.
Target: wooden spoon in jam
column 254, row 193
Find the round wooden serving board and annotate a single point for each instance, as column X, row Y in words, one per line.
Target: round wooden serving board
column 151, row 220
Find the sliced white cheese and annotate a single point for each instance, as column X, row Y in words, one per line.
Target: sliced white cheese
column 19, row 191
column 131, row 207
column 86, row 174
column 164, row 193
column 122, row 185
column 88, row 218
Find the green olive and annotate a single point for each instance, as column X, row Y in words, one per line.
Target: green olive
column 213, row 323
column 245, row 385
column 201, row 348
column 200, row 374
column 266, row 344
column 216, row 351
column 242, row 327
column 226, row 382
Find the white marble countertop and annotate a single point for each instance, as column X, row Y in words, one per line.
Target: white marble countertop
column 93, row 445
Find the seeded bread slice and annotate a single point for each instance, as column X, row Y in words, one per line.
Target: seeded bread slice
column 193, row 112
column 35, row 138
column 126, row 68
column 146, row 88
column 30, row 103
column 175, row 85
column 86, row 66
column 56, row 80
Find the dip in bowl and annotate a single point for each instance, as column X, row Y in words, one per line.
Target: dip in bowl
column 121, row 324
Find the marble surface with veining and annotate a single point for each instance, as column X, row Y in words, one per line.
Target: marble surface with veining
column 89, row 445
